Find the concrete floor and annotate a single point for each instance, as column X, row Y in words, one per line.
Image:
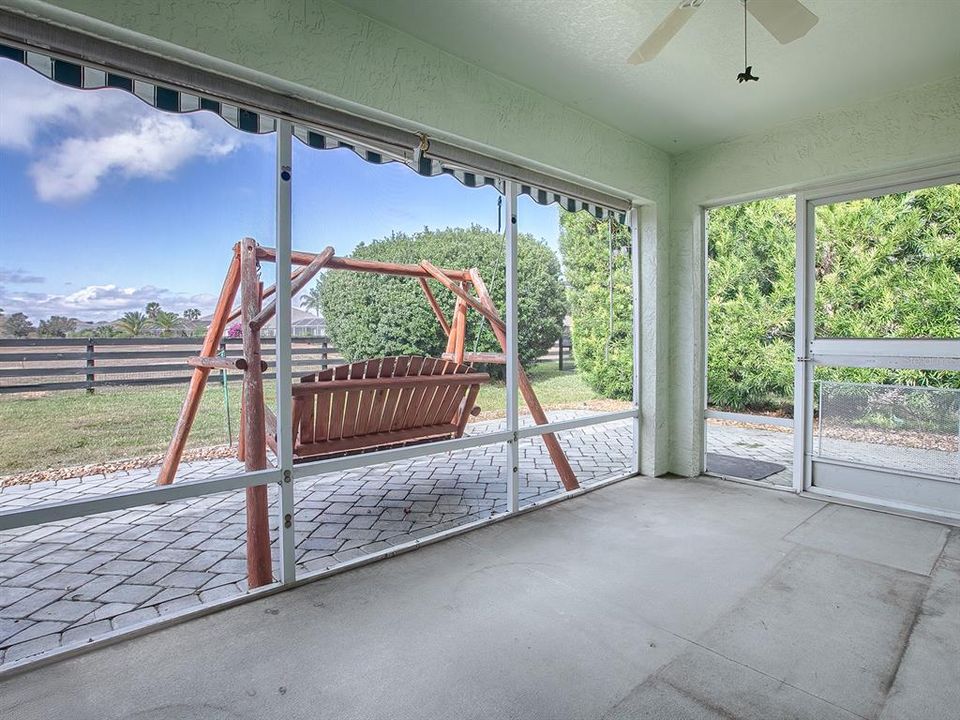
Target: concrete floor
column 655, row 598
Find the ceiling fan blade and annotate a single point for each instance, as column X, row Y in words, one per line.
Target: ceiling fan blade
column 786, row 20
column 662, row 34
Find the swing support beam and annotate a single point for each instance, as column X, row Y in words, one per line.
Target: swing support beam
column 258, row 425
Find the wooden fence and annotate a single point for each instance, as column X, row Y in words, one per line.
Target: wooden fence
column 50, row 364
column 54, row 364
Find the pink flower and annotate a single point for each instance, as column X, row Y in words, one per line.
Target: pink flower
column 235, row 330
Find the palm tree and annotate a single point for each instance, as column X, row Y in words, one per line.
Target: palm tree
column 152, row 309
column 191, row 314
column 166, row 322
column 311, row 301
column 132, row 323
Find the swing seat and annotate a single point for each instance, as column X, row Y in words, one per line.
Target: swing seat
column 380, row 403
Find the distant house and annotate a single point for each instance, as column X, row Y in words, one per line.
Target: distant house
column 303, row 324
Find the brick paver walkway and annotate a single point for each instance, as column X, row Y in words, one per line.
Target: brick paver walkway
column 69, row 581
column 755, row 444
column 777, row 446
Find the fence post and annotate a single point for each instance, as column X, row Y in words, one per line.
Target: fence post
column 560, row 354
column 323, row 354
column 91, row 376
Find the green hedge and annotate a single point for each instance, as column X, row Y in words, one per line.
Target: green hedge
column 372, row 315
column 751, row 305
column 603, row 353
column 886, row 267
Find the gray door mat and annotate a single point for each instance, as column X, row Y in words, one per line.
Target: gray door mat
column 738, row 467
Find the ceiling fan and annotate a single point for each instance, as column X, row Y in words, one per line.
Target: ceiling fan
column 786, row 20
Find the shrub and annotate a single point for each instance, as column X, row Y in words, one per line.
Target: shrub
column 885, row 267
column 371, row 315
column 602, row 343
column 751, row 304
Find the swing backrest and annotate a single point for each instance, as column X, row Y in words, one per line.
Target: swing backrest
column 383, row 402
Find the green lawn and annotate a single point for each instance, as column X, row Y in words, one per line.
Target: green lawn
column 44, row 431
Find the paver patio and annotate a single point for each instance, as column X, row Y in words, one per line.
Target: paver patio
column 72, row 580
column 770, row 445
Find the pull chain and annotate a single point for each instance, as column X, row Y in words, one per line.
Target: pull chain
column 747, row 74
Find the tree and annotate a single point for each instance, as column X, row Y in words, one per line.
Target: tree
column 601, row 325
column 370, row 315
column 18, row 325
column 191, row 314
column 57, row 326
column 132, row 324
column 104, row 331
column 166, row 322
column 152, row 309
column 311, row 300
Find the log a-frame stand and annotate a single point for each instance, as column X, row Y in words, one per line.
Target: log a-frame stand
column 367, row 405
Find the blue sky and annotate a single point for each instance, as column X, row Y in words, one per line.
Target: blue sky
column 107, row 203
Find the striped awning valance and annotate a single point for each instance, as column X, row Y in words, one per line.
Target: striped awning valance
column 163, row 97
column 430, row 166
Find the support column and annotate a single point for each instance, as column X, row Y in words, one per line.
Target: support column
column 652, row 341
column 804, row 308
column 634, row 219
column 259, row 565
column 284, row 181
column 510, row 349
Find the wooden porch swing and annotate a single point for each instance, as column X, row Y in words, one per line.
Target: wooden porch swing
column 359, row 407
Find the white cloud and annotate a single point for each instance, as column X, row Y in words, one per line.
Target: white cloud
column 154, row 148
column 100, row 302
column 78, row 138
column 31, row 104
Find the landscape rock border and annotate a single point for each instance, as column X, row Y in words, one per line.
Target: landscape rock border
column 216, row 452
